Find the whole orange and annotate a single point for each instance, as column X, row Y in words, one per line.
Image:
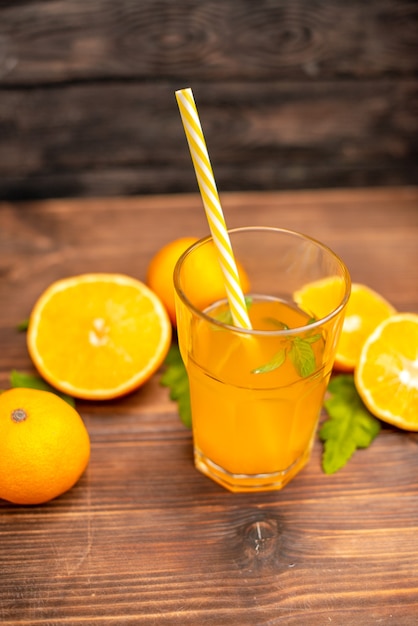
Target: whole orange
column 44, row 446
column 160, row 272
column 204, row 281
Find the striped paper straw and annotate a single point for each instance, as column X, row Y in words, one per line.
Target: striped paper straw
column 211, row 202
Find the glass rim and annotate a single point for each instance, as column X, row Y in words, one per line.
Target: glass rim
column 253, row 331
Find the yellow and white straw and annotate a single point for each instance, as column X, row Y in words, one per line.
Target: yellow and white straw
column 212, row 205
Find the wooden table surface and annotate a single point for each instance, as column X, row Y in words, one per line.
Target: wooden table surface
column 143, row 538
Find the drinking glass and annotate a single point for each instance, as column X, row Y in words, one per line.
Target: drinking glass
column 256, row 394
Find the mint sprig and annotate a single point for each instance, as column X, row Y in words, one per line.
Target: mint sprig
column 23, row 325
column 302, row 355
column 175, row 377
column 225, row 317
column 278, row 360
column 300, row 352
column 350, row 425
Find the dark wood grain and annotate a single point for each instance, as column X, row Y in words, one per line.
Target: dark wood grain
column 291, row 95
column 129, row 139
column 143, row 538
column 47, row 42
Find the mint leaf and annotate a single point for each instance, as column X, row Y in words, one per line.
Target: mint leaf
column 312, row 338
column 302, row 356
column 29, row 381
column 350, row 424
column 225, row 317
column 23, row 326
column 175, row 377
column 277, row 323
column 275, row 362
column 300, row 353
column 248, row 302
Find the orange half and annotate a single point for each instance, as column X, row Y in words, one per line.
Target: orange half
column 320, row 297
column 387, row 374
column 364, row 312
column 98, row 336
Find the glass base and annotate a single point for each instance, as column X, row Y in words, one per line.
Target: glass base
column 239, row 483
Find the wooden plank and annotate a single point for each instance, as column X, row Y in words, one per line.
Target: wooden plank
column 47, row 42
column 128, row 139
column 375, row 231
column 292, row 95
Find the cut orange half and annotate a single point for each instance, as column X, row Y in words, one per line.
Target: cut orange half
column 320, row 297
column 365, row 310
column 98, row 336
column 387, row 373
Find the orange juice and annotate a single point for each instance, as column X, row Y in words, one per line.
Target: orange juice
column 256, row 393
column 267, row 407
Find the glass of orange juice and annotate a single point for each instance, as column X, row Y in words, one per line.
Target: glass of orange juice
column 256, row 395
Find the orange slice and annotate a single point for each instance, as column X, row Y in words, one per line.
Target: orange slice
column 387, row 374
column 98, row 336
column 365, row 310
column 320, row 297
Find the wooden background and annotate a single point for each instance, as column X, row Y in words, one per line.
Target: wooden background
column 291, row 93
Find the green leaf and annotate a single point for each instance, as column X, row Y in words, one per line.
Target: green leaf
column 302, row 356
column 248, row 302
column 350, row 425
column 277, row 323
column 225, row 317
column 23, row 326
column 300, row 353
column 29, row 381
column 275, row 362
column 312, row 338
column 175, row 377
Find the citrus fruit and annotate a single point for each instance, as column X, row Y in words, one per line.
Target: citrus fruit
column 320, row 297
column 98, row 336
column 365, row 310
column 44, row 446
column 205, row 282
column 202, row 278
column 387, row 373
column 160, row 272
